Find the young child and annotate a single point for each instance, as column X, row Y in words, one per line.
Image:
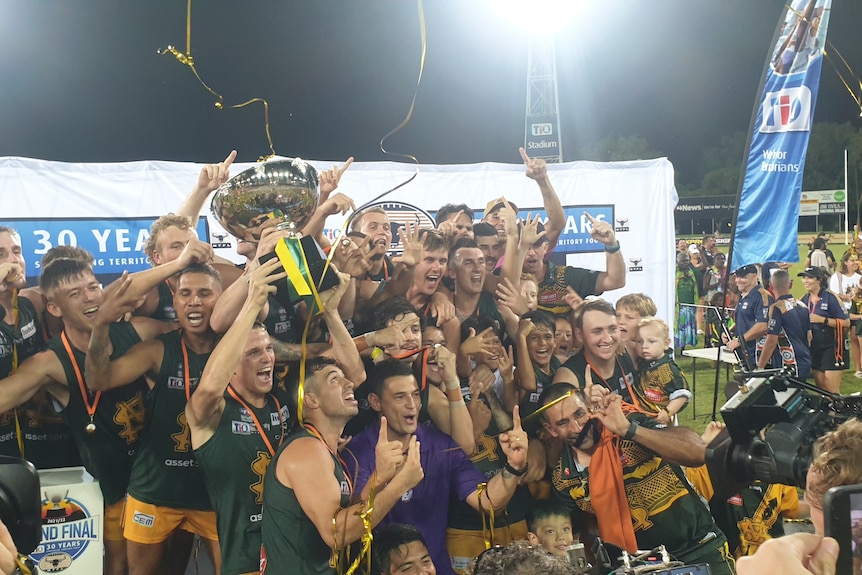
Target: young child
column 631, row 309
column 550, row 526
column 563, row 337
column 530, row 291
column 535, row 342
column 661, row 387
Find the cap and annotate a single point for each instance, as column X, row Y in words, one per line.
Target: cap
column 745, row 270
column 495, row 205
column 811, row 272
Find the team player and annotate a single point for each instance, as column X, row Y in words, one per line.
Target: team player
column 107, row 426
column 166, row 489
column 311, row 511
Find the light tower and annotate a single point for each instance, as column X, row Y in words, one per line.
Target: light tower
column 542, row 137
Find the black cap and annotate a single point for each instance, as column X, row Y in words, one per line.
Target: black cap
column 745, row 270
column 811, row 272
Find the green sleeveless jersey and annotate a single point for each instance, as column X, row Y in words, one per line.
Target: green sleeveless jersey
column 291, row 543
column 165, row 471
column 490, row 460
column 107, row 453
column 47, row 441
column 165, row 309
column 234, row 461
column 281, row 322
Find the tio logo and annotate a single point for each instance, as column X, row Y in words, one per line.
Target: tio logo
column 546, row 129
column 787, row 110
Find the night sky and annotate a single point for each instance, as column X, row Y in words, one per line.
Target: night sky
column 82, row 80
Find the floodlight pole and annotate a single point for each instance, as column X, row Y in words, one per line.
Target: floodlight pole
column 542, row 137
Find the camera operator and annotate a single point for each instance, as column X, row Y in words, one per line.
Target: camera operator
column 837, row 461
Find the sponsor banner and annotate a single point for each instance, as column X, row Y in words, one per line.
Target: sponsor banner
column 769, row 197
column 542, row 136
column 822, row 202
column 116, row 244
column 575, row 238
column 72, row 525
column 704, row 207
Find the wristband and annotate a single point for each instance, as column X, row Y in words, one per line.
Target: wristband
column 633, row 427
column 514, row 471
column 613, row 249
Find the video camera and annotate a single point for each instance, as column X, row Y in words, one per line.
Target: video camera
column 772, row 424
column 21, row 503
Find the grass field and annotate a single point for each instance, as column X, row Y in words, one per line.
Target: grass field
column 706, row 370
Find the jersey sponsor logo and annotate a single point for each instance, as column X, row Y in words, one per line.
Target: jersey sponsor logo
column 176, row 383
column 281, row 327
column 275, row 418
column 28, row 330
column 68, row 528
column 143, row 519
column 407, row 496
column 735, row 500
column 6, row 350
column 131, row 415
column 255, row 517
column 345, row 488
column 240, row 428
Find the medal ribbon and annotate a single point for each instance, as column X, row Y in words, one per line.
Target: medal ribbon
column 18, row 435
column 85, row 395
column 254, row 419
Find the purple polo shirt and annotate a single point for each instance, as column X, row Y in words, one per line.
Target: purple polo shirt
column 448, row 473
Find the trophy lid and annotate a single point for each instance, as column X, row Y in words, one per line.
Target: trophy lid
column 281, row 193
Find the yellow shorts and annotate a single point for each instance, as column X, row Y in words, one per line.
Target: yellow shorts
column 146, row 523
column 114, row 521
column 465, row 545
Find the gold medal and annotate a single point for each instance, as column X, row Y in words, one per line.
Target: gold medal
column 91, row 427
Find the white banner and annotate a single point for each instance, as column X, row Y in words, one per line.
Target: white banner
column 108, row 208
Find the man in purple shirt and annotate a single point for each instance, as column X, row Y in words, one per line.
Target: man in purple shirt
column 394, row 393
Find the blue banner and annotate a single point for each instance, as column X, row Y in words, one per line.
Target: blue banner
column 116, row 244
column 767, row 218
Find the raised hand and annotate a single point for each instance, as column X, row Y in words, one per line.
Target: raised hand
column 445, row 360
column 449, row 228
column 411, row 253
column 537, row 169
column 196, row 252
column 388, row 455
column 391, row 336
column 514, row 443
column 601, row 231
column 214, row 175
column 11, row 275
column 530, row 233
column 482, row 377
column 329, row 179
column 525, row 326
column 442, row 308
column 481, row 343
column 337, row 204
column 260, row 282
column 269, row 238
column 610, row 411
column 573, row 298
column 116, row 301
column 506, row 363
column 332, row 297
column 509, row 218
column 509, row 296
column 411, row 473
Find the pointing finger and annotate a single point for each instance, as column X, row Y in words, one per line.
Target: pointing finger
column 524, row 155
column 383, row 436
column 230, row 158
column 345, row 166
column 516, row 419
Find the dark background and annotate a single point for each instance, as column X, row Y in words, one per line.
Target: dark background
column 82, row 80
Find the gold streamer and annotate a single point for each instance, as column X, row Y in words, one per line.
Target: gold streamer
column 187, row 59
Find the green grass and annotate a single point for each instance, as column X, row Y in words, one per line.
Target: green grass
column 706, row 370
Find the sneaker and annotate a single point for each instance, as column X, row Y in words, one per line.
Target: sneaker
column 858, row 374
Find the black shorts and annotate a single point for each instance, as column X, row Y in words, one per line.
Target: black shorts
column 823, row 359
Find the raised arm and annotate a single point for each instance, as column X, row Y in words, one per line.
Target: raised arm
column 42, row 370
column 205, row 407
column 502, row 486
column 679, row 445
column 146, row 356
column 451, row 417
column 615, row 276
column 210, row 178
column 319, row 493
column 343, row 348
column 537, row 170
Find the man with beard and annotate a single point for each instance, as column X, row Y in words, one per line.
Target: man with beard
column 107, row 426
column 492, row 246
column 455, row 221
column 599, row 361
column 308, row 518
column 752, row 315
column 625, row 471
column 166, row 490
